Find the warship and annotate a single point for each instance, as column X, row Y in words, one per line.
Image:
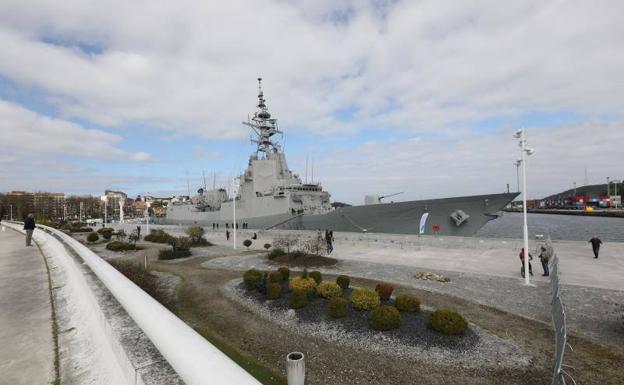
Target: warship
column 268, row 195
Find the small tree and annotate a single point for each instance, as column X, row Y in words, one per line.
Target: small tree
column 247, row 243
column 267, row 246
column 196, row 234
column 285, row 243
column 133, row 237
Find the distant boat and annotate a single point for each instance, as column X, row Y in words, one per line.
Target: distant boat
column 271, row 196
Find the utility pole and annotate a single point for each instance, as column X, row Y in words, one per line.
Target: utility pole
column 235, row 184
column 517, row 164
column 525, row 151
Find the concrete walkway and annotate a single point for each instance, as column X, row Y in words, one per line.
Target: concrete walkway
column 26, row 347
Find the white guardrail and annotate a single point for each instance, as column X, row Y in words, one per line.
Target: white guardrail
column 193, row 358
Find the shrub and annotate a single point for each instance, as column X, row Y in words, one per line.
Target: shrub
column 142, row 278
column 107, row 235
column 328, row 289
column 159, row 236
column 81, row 230
column 337, row 307
column 274, row 290
column 364, row 299
column 305, row 273
column 343, row 281
column 252, row 279
column 196, row 234
column 262, row 285
column 285, row 273
column 92, row 237
column 267, row 246
column 301, row 283
column 180, row 248
column 120, row 246
column 247, row 243
column 384, row 290
column 103, row 230
column 276, row 253
column 448, row 322
column 275, row 277
column 298, row 299
column 408, row 303
column 384, row 318
column 316, row 275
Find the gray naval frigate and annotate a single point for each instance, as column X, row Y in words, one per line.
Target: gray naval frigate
column 271, row 196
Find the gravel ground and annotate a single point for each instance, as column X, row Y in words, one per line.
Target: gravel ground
column 477, row 349
column 596, row 313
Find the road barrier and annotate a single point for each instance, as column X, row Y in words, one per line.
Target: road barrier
column 193, row 358
column 558, row 319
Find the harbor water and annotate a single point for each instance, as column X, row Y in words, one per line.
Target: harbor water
column 561, row 227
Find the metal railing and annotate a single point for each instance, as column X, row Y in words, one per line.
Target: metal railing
column 558, row 318
column 193, row 358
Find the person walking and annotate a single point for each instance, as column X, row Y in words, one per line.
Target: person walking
column 522, row 259
column 29, row 226
column 227, row 235
column 329, row 242
column 596, row 242
column 544, row 257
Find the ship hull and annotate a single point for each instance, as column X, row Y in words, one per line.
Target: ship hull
column 394, row 218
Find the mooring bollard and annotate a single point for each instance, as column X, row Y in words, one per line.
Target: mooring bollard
column 295, row 368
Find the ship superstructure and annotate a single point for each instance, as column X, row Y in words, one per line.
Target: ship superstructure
column 270, row 196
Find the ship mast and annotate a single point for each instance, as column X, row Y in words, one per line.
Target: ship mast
column 263, row 125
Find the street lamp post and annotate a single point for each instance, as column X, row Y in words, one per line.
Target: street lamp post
column 235, row 185
column 525, row 151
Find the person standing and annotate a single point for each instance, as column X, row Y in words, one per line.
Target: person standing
column 544, row 257
column 139, row 232
column 29, row 226
column 522, row 260
column 596, row 242
column 227, row 235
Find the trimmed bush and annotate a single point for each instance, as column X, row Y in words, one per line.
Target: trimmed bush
column 252, row 279
column 103, row 230
column 285, row 273
column 303, row 284
column 107, row 235
column 343, row 281
column 159, row 236
column 448, row 322
column 275, row 277
column 337, row 307
column 364, row 299
column 328, row 289
column 247, row 243
column 316, row 275
column 298, row 299
column 384, row 290
column 267, row 246
column 384, row 318
column 80, row 230
column 196, row 234
column 276, row 253
column 180, row 248
column 92, row 237
column 143, row 279
column 274, row 291
column 120, row 246
column 408, row 303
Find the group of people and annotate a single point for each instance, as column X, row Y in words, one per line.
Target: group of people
column 545, row 256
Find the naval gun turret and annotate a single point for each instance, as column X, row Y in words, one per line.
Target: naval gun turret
column 376, row 199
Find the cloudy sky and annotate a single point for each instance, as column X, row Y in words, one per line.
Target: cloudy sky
column 386, row 96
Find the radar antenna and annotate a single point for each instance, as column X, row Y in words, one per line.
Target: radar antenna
column 263, row 125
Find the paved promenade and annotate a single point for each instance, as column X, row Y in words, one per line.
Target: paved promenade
column 26, row 348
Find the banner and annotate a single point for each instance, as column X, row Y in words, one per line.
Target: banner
column 423, row 222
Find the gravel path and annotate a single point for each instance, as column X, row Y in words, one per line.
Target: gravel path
column 478, row 349
column 596, row 313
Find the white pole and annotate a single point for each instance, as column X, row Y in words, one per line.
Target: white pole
column 105, row 211
column 234, row 215
column 11, row 206
column 524, row 211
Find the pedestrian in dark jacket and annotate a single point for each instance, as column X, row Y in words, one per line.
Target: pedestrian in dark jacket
column 544, row 257
column 29, row 226
column 596, row 242
column 227, row 235
column 522, row 260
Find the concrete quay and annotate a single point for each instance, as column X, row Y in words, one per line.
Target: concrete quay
column 26, row 344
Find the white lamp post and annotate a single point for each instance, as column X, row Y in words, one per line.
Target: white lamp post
column 525, row 151
column 517, row 164
column 105, row 200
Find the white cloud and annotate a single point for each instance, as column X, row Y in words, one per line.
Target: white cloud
column 419, row 66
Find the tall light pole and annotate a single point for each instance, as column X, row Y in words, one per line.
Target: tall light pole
column 525, row 151
column 105, row 200
column 517, row 164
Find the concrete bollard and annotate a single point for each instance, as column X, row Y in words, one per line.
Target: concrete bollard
column 295, row 368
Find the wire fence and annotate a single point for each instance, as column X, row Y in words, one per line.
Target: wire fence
column 558, row 318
